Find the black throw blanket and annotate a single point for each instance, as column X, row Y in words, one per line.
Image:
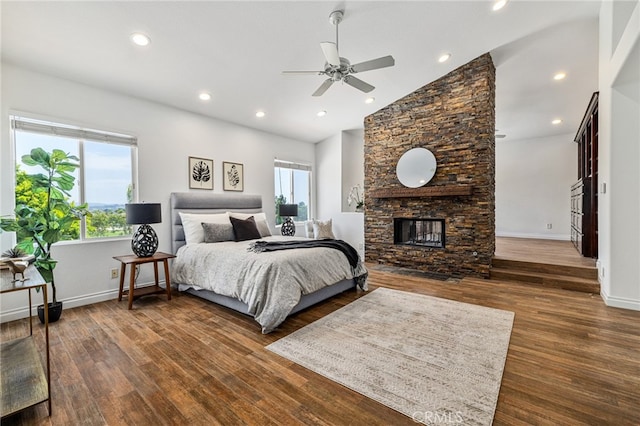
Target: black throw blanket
column 344, row 247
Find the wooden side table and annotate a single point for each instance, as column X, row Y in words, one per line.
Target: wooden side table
column 133, row 261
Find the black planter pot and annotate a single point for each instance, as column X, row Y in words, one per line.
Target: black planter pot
column 55, row 311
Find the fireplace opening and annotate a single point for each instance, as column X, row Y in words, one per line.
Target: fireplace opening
column 419, row 232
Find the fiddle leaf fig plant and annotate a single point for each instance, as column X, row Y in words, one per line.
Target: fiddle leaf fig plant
column 49, row 215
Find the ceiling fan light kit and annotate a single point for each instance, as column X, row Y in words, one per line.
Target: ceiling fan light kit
column 337, row 68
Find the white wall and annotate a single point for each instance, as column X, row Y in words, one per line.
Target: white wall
column 533, row 186
column 166, row 138
column 619, row 155
column 347, row 226
column 352, row 165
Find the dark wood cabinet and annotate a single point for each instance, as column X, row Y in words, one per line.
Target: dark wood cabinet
column 584, row 193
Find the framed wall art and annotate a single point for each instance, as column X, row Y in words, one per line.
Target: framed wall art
column 232, row 176
column 200, row 173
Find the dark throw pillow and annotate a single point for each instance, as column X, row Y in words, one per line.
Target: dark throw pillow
column 217, row 232
column 245, row 229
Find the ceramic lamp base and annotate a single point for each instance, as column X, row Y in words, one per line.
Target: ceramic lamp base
column 145, row 241
column 288, row 228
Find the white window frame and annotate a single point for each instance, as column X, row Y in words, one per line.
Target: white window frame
column 295, row 166
column 56, row 127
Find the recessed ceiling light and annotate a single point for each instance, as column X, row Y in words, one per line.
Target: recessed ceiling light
column 140, row 39
column 556, row 121
column 499, row 4
column 321, row 113
column 204, row 96
column 559, row 76
column 444, row 58
column 370, row 100
column 260, row 114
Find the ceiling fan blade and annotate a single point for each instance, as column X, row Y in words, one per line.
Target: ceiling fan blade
column 302, row 72
column 330, row 51
column 358, row 84
column 374, row 64
column 323, row 87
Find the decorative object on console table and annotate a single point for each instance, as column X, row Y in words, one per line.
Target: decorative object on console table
column 145, row 240
column 232, row 176
column 200, row 173
column 15, row 254
column 288, row 228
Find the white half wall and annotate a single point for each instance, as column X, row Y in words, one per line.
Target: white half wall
column 166, row 138
column 533, row 186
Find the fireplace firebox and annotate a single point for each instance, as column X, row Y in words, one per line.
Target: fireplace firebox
column 419, row 232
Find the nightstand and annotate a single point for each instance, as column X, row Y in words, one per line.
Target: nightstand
column 132, row 260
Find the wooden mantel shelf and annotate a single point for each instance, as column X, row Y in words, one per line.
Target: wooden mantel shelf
column 425, row 191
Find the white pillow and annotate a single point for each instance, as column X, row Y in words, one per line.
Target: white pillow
column 322, row 230
column 260, row 218
column 192, row 224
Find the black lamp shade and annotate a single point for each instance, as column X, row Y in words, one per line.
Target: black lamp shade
column 288, row 210
column 143, row 213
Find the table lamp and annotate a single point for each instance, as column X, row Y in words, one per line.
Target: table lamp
column 287, row 211
column 145, row 240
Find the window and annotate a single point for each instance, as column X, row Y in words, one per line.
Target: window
column 292, row 186
column 105, row 179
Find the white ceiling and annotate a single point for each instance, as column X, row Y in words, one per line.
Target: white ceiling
column 236, row 50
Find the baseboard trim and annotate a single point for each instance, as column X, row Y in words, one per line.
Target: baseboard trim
column 72, row 302
column 620, row 302
column 561, row 237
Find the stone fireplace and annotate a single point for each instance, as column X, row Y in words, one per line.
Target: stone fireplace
column 454, row 118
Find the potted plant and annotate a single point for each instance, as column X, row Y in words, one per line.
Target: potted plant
column 356, row 195
column 48, row 216
column 16, row 253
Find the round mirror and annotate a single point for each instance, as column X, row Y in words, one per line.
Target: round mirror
column 416, row 167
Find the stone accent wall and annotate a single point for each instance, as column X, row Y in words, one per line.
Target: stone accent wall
column 453, row 117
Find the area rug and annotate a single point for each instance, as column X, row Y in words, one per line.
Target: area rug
column 434, row 360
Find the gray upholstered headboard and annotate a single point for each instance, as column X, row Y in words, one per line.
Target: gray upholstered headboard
column 197, row 202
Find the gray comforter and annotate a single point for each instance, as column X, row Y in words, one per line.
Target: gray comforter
column 271, row 284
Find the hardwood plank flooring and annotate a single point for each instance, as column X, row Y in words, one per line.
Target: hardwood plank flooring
column 554, row 252
column 571, row 360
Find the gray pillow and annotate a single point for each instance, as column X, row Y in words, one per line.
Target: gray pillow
column 217, row 232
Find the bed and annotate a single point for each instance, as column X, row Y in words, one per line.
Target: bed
column 268, row 286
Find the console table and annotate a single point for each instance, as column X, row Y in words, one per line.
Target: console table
column 25, row 382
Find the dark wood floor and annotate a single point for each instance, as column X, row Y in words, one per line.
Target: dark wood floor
column 571, row 360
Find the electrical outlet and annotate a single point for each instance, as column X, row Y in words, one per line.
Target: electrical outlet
column 114, row 273
column 549, row 226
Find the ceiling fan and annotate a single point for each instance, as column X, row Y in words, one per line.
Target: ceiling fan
column 340, row 69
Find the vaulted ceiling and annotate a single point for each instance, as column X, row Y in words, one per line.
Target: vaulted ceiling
column 236, row 50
